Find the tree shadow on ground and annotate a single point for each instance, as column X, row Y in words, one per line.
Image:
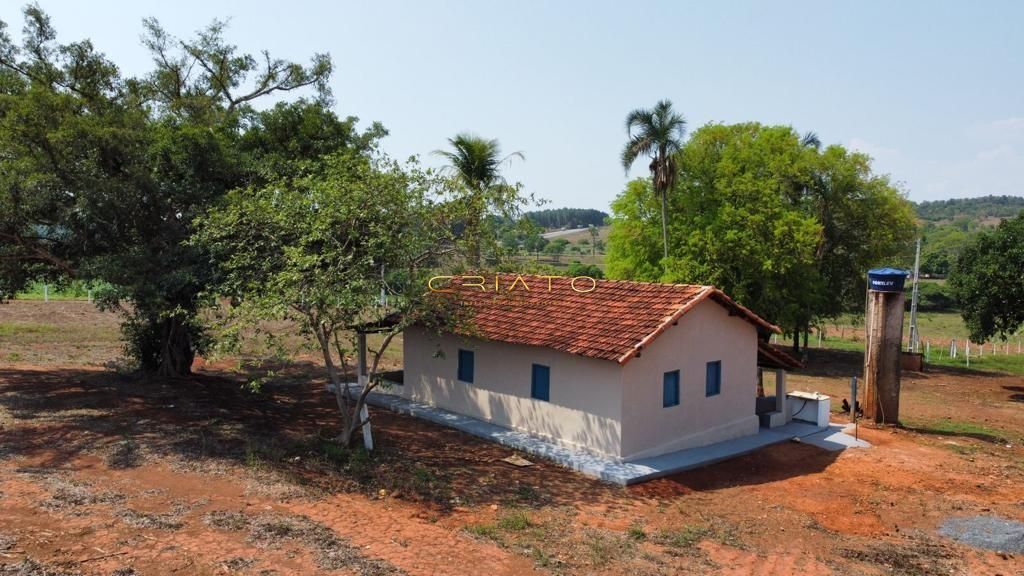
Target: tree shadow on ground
column 56, row 417
column 1019, row 396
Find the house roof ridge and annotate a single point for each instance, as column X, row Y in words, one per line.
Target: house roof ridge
column 613, row 320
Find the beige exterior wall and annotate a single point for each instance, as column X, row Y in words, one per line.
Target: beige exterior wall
column 586, row 394
column 598, row 405
column 704, row 334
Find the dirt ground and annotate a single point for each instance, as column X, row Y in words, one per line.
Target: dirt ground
column 103, row 472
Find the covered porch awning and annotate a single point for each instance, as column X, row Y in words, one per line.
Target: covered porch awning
column 774, row 358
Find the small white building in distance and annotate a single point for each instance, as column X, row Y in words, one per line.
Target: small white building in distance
column 625, row 370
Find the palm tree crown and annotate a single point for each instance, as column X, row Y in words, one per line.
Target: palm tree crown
column 657, row 133
column 476, row 162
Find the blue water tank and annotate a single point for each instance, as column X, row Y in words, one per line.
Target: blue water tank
column 887, row 279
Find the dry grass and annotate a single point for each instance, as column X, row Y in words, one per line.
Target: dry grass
column 271, row 530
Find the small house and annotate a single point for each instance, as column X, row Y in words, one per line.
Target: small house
column 622, row 369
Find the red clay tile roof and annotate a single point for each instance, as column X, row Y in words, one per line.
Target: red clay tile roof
column 769, row 356
column 606, row 319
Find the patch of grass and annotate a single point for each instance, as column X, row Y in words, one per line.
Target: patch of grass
column 529, row 495
column 1012, row 363
column 920, row 558
column 18, row 329
column 683, row 539
column 488, row 531
column 227, row 520
column 239, row 563
column 330, row 550
column 604, row 547
column 76, row 290
column 962, row 449
column 950, row 427
column 68, row 493
column 150, row 520
column 30, row 567
column 334, row 453
column 514, row 520
column 636, row 531
column 125, row 454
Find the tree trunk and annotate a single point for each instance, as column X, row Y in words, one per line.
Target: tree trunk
column 796, row 340
column 176, row 353
column 664, row 220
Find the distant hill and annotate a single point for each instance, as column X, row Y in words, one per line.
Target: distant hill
column 556, row 218
column 949, row 225
column 986, row 210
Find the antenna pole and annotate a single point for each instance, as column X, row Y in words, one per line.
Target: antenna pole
column 915, row 338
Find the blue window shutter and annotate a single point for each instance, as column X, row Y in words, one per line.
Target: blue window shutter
column 713, row 385
column 466, row 366
column 670, row 389
column 540, row 383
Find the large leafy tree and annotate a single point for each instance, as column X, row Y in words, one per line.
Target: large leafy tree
column 102, row 176
column 986, row 281
column 658, row 134
column 321, row 249
column 475, row 166
column 865, row 221
column 764, row 213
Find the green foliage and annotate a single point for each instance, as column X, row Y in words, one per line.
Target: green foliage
column 766, row 215
column 684, row 538
column 485, row 198
column 534, row 242
column 658, row 134
column 320, row 249
column 970, row 208
column 941, row 245
column 950, row 225
column 633, row 242
column 519, row 234
column 554, row 218
column 514, row 520
column 576, row 268
column 103, row 176
column 932, row 297
column 986, row 281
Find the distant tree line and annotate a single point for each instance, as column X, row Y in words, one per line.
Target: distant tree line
column 567, row 217
column 948, row 226
column 970, row 208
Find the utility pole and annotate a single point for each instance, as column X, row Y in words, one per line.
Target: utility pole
column 915, row 338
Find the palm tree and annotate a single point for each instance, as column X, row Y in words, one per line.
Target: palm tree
column 475, row 164
column 659, row 135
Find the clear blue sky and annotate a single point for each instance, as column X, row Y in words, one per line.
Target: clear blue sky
column 934, row 91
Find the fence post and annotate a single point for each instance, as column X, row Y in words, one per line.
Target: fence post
column 927, row 351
